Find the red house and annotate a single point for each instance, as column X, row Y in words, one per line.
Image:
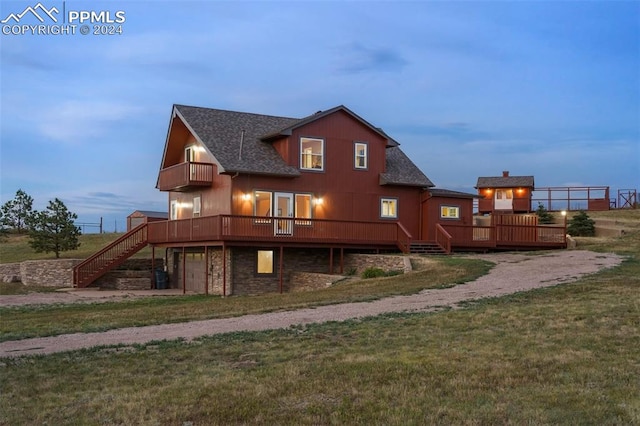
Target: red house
column 253, row 198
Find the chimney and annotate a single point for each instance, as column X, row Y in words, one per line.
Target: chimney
column 505, row 173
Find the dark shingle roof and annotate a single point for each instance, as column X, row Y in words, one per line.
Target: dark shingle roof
column 436, row 192
column 402, row 171
column 221, row 132
column 505, row 182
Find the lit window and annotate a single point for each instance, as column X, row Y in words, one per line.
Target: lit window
column 389, row 207
column 263, row 203
column 311, row 154
column 189, row 154
column 303, row 208
column 450, row 212
column 265, row 262
column 196, row 206
column 360, row 155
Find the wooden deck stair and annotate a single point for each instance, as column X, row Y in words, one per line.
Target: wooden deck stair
column 110, row 257
column 426, row 247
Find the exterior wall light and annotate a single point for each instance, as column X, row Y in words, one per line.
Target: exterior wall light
column 318, row 201
column 246, row 197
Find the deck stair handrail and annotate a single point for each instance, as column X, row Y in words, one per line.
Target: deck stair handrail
column 443, row 238
column 111, row 256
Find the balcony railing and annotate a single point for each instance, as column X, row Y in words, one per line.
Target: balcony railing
column 276, row 229
column 181, row 177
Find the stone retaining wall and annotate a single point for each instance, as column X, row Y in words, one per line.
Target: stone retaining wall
column 10, row 272
column 59, row 272
column 358, row 263
column 307, row 281
column 48, row 273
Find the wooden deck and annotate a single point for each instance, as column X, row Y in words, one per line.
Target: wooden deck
column 506, row 232
column 184, row 176
column 280, row 231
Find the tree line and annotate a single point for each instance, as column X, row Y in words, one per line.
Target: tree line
column 49, row 230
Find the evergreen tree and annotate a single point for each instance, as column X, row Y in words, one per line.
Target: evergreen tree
column 52, row 230
column 3, row 228
column 544, row 217
column 581, row 225
column 17, row 213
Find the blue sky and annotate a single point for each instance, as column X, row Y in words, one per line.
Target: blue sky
column 550, row 89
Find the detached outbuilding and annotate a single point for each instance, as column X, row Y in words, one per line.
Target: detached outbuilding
column 505, row 194
column 139, row 217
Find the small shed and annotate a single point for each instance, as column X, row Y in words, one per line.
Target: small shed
column 445, row 207
column 139, row 217
column 505, row 194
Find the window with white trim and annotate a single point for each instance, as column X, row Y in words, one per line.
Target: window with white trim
column 312, row 154
column 360, row 154
column 196, row 206
column 174, row 210
column 450, row 212
column 303, row 208
column 389, row 208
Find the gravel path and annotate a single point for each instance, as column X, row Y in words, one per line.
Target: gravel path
column 512, row 273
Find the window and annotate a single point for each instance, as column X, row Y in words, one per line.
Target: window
column 196, row 206
column 303, row 208
column 311, row 154
column 450, row 212
column 360, row 149
column 265, row 262
column 262, row 206
column 174, row 210
column 189, row 154
column 388, row 208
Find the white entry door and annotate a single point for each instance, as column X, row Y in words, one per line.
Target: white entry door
column 504, row 199
column 283, row 208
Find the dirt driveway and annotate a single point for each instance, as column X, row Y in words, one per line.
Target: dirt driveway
column 512, row 273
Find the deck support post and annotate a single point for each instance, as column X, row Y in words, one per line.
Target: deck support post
column 184, row 271
column 341, row 260
column 224, row 269
column 153, row 267
column 331, row 260
column 206, row 270
column 281, row 262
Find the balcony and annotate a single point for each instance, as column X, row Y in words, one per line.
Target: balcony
column 185, row 176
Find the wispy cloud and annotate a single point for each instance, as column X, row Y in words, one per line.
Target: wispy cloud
column 356, row 58
column 74, row 121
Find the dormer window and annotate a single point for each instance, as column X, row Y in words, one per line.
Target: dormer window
column 312, row 154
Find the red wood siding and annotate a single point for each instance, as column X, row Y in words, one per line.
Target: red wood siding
column 521, row 200
column 431, row 214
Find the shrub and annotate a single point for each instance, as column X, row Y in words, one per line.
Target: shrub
column 544, row 217
column 581, row 225
column 373, row 273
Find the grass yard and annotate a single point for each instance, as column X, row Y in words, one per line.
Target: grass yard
column 16, row 248
column 560, row 355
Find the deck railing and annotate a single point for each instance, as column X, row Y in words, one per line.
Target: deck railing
column 184, row 175
column 443, row 238
column 277, row 229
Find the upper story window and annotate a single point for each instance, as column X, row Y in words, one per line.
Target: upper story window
column 389, row 208
column 360, row 152
column 189, row 154
column 196, row 206
column 312, row 154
